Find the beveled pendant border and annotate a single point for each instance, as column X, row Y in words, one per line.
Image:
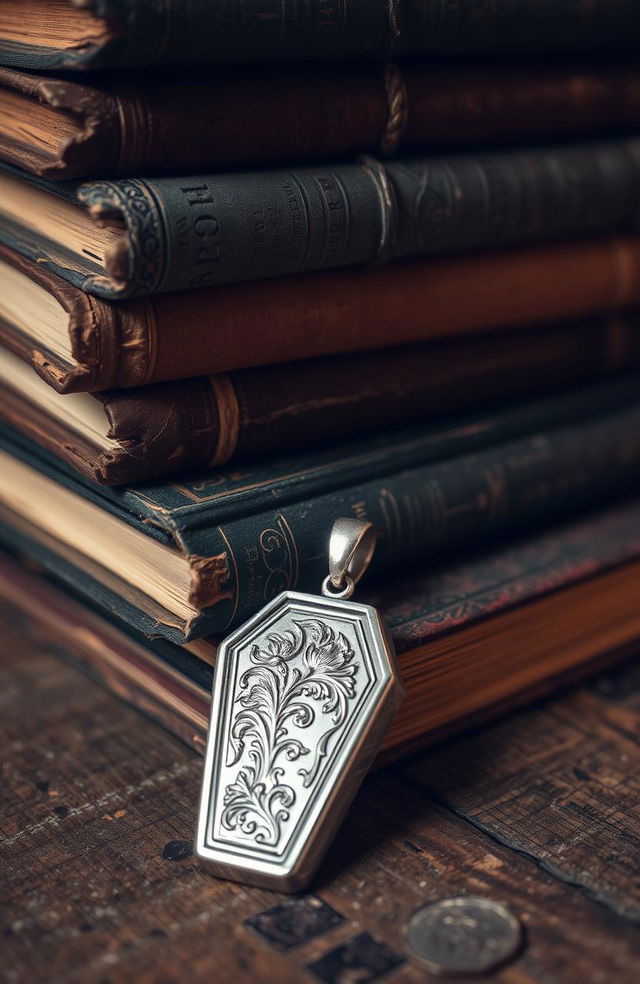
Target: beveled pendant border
column 291, row 868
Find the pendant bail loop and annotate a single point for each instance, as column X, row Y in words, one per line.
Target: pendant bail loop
column 351, row 547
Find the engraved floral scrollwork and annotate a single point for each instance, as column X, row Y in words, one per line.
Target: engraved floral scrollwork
column 302, row 672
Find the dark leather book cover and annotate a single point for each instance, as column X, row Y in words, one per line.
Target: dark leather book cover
column 448, row 627
column 167, row 428
column 248, row 534
column 130, row 124
column 214, row 330
column 99, row 33
column 174, row 234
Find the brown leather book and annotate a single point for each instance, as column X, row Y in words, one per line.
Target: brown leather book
column 128, row 436
column 81, row 343
column 189, row 122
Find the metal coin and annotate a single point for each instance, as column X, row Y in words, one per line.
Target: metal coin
column 463, row 935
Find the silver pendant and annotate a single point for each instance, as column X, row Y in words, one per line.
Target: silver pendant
column 303, row 693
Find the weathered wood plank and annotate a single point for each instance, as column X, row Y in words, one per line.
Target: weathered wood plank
column 561, row 783
column 99, row 888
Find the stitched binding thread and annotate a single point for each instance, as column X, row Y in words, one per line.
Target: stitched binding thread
column 398, row 109
column 394, row 25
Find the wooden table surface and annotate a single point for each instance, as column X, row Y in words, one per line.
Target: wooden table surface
column 541, row 811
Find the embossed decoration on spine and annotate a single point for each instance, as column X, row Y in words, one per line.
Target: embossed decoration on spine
column 146, row 256
column 272, row 694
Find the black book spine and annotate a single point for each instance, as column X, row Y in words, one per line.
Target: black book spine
column 208, row 31
column 216, row 229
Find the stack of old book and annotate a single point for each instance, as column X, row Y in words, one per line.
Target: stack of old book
column 241, row 300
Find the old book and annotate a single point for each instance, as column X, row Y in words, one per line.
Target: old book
column 97, row 33
column 77, row 342
column 126, row 436
column 473, row 638
column 145, row 123
column 189, row 559
column 134, row 237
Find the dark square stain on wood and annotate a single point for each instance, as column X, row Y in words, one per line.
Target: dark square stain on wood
column 295, row 922
column 360, row 959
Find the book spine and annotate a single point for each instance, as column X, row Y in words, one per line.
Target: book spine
column 277, row 409
column 499, row 25
column 109, row 342
column 219, row 120
column 168, row 428
column 202, row 31
column 420, row 515
column 476, row 105
column 284, row 319
column 125, row 124
column 238, row 326
column 205, row 32
column 201, row 231
column 163, row 430
column 286, row 407
column 193, row 122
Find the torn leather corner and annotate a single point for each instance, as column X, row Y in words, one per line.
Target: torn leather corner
column 210, row 580
column 63, row 379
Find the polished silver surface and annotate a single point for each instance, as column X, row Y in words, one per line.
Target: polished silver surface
column 303, row 694
column 463, row 935
column 351, row 547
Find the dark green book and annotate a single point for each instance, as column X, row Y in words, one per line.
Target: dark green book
column 135, row 237
column 190, row 559
column 98, row 33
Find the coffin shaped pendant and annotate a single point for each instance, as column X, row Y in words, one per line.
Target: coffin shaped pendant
column 303, row 693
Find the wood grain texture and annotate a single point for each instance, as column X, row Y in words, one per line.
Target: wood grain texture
column 560, row 784
column 98, row 884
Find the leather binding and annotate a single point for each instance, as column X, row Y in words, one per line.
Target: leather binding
column 248, row 534
column 173, row 336
column 168, row 428
column 200, row 231
column 145, row 124
column 146, row 32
